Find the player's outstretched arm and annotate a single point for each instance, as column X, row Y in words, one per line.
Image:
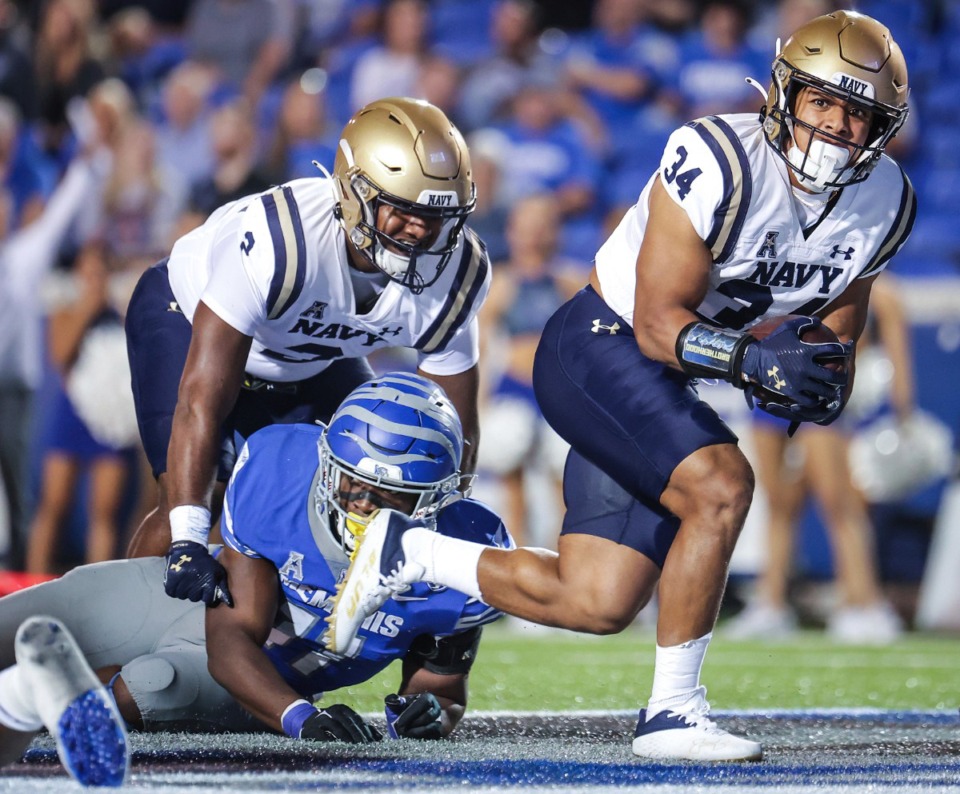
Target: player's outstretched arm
column 236, row 660
column 432, row 697
column 208, row 390
column 463, row 390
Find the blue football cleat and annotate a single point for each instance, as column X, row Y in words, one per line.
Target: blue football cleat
column 72, row 703
column 691, row 736
column 378, row 569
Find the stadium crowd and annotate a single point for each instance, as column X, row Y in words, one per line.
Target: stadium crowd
column 124, row 124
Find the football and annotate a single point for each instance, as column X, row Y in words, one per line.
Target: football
column 820, row 333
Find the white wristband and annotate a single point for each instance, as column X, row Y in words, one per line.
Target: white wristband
column 190, row 522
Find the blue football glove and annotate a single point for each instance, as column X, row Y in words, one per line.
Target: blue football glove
column 191, row 574
column 413, row 716
column 784, row 367
column 338, row 723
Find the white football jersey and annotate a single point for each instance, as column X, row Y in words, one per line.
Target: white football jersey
column 274, row 266
column 737, row 193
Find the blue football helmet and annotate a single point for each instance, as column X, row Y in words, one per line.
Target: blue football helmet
column 398, row 433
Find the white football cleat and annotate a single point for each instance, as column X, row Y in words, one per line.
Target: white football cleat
column 690, row 736
column 72, row 703
column 378, row 569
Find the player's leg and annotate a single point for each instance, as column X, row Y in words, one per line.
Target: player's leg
column 58, row 690
column 158, row 337
column 644, row 425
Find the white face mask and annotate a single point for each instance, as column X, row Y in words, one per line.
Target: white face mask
column 823, row 165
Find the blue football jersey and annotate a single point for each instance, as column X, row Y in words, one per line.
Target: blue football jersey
column 271, row 512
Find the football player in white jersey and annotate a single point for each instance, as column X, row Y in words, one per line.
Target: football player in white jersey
column 266, row 312
column 299, row 496
column 747, row 218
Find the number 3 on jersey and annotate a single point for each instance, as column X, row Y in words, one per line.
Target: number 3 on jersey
column 685, row 179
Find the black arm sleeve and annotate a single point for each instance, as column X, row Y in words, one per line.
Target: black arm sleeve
column 452, row 655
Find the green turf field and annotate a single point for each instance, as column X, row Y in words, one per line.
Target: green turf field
column 566, row 671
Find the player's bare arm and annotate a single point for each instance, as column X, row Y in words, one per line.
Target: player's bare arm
column 462, row 389
column 847, row 317
column 208, row 389
column 449, row 690
column 673, row 269
column 235, row 639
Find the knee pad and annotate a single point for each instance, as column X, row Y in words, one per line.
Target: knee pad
column 175, row 691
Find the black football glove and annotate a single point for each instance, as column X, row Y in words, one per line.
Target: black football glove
column 191, row 574
column 793, row 371
column 413, row 716
column 339, row 723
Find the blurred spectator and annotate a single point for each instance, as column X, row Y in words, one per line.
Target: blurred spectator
column 26, row 256
column 715, row 59
column 184, row 150
column 16, row 70
column 439, row 82
column 249, row 41
column 537, row 149
column 491, row 84
column 822, row 469
column 391, row 68
column 526, row 289
column 87, row 349
column 170, row 15
column 301, row 135
column 459, row 30
column 137, row 212
column 235, row 174
column 21, row 168
column 64, row 69
column 618, row 64
column 141, row 53
column 331, row 23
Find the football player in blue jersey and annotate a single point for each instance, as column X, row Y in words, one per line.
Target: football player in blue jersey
column 266, row 313
column 299, row 498
column 748, row 218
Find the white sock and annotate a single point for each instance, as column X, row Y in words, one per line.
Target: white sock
column 17, row 710
column 676, row 674
column 447, row 561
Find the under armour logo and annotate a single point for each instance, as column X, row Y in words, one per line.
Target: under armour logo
column 769, row 248
column 392, row 331
column 598, row 327
column 846, row 254
column 178, row 565
column 774, row 374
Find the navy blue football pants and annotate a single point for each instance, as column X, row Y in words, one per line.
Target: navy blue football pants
column 630, row 421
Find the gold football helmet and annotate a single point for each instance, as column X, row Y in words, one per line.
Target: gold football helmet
column 407, row 154
column 850, row 56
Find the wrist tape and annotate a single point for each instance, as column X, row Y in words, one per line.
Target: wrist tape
column 294, row 716
column 190, row 522
column 708, row 352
